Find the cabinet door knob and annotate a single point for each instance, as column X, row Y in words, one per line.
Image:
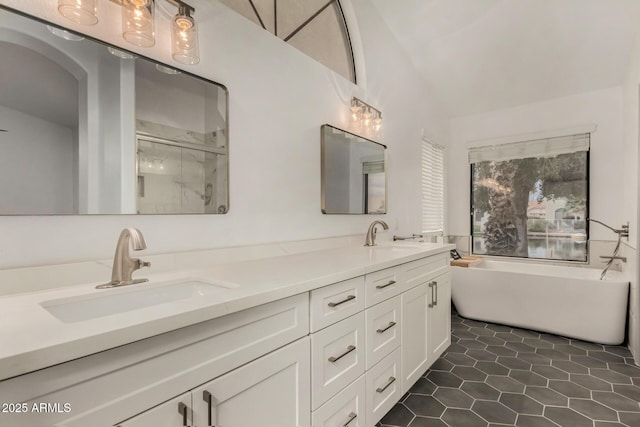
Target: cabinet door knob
column 386, row 328
column 389, row 283
column 352, row 416
column 334, row 359
column 184, row 411
column 386, row 386
column 347, row 299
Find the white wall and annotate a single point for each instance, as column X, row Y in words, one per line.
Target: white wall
column 279, row 97
column 631, row 188
column 602, row 108
column 36, row 169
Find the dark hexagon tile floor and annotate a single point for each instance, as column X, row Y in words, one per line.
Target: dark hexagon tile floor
column 496, row 375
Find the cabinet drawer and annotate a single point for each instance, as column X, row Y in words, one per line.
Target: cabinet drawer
column 383, row 284
column 336, row 302
column 383, row 387
column 346, row 408
column 337, row 358
column 417, row 272
column 383, row 330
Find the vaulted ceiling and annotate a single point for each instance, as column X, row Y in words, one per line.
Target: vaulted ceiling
column 483, row 55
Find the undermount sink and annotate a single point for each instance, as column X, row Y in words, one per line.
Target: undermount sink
column 121, row 300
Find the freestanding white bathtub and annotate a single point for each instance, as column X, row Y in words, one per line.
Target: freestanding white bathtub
column 568, row 301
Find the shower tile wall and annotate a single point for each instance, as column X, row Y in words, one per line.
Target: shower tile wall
column 494, row 375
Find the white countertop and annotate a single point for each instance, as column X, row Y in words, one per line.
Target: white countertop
column 32, row 338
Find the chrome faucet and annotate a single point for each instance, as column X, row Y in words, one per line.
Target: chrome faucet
column 371, row 233
column 123, row 264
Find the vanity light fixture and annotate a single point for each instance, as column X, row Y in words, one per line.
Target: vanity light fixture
column 79, row 11
column 138, row 24
column 365, row 119
column 184, row 36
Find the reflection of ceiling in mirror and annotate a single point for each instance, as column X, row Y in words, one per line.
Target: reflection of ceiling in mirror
column 37, row 86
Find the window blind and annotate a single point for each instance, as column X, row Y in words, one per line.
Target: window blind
column 373, row 167
column 548, row 147
column 432, row 188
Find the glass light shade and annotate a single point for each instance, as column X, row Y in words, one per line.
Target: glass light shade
column 79, row 11
column 63, row 34
column 137, row 22
column 184, row 40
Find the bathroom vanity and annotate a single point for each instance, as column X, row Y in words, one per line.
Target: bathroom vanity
column 321, row 338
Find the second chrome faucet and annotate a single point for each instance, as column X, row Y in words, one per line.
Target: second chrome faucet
column 371, row 233
column 123, row 264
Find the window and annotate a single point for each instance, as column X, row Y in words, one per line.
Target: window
column 530, row 199
column 315, row 27
column 432, row 188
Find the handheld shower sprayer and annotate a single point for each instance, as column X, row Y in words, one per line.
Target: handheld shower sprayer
column 621, row 232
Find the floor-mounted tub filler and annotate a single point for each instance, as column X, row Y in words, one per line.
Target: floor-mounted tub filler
column 563, row 300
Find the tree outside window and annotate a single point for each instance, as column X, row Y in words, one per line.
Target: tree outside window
column 534, row 207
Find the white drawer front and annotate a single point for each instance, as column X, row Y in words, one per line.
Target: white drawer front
column 417, row 272
column 383, row 387
column 383, row 330
column 336, row 302
column 337, row 358
column 383, row 284
column 346, row 408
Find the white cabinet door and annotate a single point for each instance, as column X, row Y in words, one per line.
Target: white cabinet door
column 439, row 316
column 272, row 391
column 174, row 413
column 415, row 354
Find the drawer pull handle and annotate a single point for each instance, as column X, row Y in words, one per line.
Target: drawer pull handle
column 352, row 416
column 207, row 397
column 347, row 299
column 434, row 301
column 385, row 329
column 386, row 386
column 184, row 411
column 389, row 283
column 334, row 359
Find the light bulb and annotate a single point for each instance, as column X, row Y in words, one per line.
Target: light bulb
column 79, row 11
column 184, row 38
column 137, row 22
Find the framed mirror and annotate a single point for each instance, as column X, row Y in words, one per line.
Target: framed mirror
column 353, row 173
column 86, row 128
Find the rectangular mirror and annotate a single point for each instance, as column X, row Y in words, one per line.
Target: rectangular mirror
column 353, row 173
column 86, row 128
